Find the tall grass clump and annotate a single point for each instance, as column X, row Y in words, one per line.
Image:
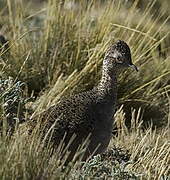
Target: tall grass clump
column 56, row 48
column 60, row 49
column 149, row 148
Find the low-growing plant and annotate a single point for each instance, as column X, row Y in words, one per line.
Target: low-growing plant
column 13, row 103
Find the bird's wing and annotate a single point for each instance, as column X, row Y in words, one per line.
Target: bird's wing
column 72, row 115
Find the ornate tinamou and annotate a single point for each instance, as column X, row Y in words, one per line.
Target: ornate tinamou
column 90, row 112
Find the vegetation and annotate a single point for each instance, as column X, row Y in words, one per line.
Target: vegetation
column 56, row 49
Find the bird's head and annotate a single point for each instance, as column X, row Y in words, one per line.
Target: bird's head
column 119, row 56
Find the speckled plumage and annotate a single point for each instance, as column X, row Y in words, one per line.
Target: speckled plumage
column 90, row 112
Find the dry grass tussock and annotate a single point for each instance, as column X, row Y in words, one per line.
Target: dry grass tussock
column 149, row 148
column 54, row 51
column 133, row 154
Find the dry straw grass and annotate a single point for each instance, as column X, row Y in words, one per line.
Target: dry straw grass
column 149, row 148
column 57, row 51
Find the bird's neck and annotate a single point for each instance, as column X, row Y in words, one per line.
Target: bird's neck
column 107, row 87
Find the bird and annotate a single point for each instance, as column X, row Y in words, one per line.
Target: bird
column 90, row 113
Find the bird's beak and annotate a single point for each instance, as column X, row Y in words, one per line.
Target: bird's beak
column 134, row 67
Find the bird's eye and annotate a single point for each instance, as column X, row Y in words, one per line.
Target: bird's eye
column 119, row 60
